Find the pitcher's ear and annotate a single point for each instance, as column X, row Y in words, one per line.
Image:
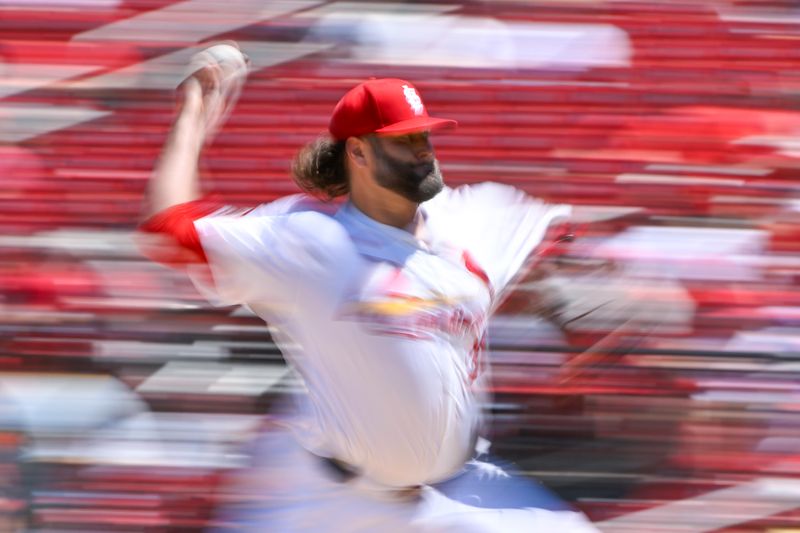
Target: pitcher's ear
column 356, row 151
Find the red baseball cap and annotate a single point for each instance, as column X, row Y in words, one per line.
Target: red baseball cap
column 387, row 105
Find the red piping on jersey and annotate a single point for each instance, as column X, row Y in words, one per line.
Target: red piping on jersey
column 472, row 265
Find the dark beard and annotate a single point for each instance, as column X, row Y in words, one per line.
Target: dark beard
column 416, row 182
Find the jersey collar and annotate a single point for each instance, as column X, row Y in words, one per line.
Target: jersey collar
column 376, row 240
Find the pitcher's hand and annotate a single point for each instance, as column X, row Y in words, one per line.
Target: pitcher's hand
column 215, row 77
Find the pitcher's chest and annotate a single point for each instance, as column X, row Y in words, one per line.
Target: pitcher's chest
column 428, row 295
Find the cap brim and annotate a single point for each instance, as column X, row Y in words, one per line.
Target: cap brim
column 417, row 124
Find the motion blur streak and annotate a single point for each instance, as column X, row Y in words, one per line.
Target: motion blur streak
column 126, row 401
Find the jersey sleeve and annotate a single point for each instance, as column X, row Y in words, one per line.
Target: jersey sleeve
column 270, row 255
column 499, row 225
column 246, row 256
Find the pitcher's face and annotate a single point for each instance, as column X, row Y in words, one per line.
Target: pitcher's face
column 406, row 164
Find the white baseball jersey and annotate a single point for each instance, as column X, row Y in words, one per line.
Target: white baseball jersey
column 385, row 327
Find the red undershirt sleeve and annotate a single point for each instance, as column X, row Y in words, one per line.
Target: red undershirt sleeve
column 181, row 244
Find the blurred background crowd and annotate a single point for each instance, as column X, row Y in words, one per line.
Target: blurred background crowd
column 673, row 126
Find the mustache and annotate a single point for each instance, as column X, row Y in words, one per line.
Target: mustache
column 423, row 170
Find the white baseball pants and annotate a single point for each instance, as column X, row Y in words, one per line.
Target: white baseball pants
column 289, row 490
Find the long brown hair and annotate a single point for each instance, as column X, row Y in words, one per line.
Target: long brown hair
column 319, row 168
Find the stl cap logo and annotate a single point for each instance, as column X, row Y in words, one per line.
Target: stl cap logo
column 413, row 99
